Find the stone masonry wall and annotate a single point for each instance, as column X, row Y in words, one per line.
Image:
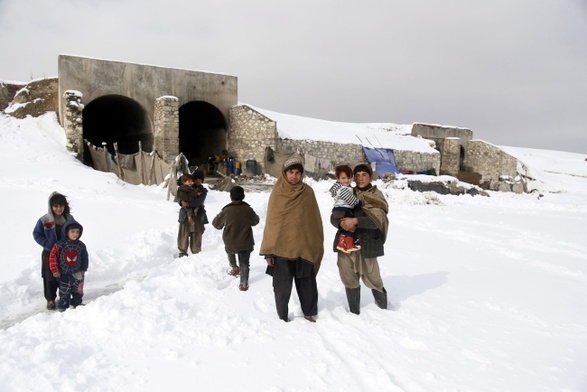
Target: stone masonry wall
column 417, row 161
column 451, row 155
column 250, row 132
column 322, row 157
column 73, row 121
column 7, row 92
column 36, row 98
column 489, row 161
column 166, row 127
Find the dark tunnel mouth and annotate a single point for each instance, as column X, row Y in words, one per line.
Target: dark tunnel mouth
column 116, row 119
column 202, row 131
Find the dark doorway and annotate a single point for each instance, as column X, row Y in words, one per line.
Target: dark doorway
column 202, row 131
column 462, row 158
column 116, row 118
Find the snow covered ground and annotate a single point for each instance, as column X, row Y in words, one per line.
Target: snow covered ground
column 488, row 293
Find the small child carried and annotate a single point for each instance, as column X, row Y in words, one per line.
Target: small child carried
column 344, row 203
column 187, row 192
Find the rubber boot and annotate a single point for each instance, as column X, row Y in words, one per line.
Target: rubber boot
column 354, row 298
column 380, row 298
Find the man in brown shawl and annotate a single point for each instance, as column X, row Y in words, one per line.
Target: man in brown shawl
column 293, row 240
column 370, row 224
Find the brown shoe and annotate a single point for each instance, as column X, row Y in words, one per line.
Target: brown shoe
column 51, row 305
column 243, row 287
column 235, row 271
column 310, row 319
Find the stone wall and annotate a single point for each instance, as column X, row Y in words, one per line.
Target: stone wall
column 166, row 127
column 73, row 121
column 34, row 99
column 7, row 92
column 451, row 156
column 250, row 132
column 417, row 161
column 489, row 161
column 322, row 157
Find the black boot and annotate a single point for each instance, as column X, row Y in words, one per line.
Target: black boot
column 354, row 298
column 380, row 298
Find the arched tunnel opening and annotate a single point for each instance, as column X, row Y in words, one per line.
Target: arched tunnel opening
column 202, row 132
column 116, row 119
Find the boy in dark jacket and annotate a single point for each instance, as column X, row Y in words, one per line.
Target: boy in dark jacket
column 237, row 219
column 68, row 262
column 190, row 232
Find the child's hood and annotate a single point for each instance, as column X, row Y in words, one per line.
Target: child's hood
column 50, row 210
column 69, row 223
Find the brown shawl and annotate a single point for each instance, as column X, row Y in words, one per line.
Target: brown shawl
column 375, row 207
column 293, row 228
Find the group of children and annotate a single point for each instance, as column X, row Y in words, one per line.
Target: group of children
column 64, row 259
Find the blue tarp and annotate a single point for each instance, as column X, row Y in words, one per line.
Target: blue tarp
column 384, row 159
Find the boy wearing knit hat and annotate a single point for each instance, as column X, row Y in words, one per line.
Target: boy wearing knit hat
column 370, row 223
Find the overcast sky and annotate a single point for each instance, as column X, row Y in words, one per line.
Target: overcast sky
column 513, row 71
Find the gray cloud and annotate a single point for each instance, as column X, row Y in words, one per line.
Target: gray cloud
column 513, row 72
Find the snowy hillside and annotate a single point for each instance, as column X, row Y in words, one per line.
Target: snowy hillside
column 488, row 293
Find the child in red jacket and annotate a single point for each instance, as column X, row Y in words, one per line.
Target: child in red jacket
column 68, row 262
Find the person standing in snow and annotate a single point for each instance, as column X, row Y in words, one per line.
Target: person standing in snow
column 46, row 233
column 68, row 262
column 293, row 240
column 370, row 223
column 190, row 233
column 237, row 219
column 187, row 192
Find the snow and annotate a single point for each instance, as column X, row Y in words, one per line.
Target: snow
column 487, row 293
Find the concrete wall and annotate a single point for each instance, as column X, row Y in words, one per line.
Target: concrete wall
column 144, row 83
column 438, row 132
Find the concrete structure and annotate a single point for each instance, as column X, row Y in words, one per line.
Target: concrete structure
column 177, row 110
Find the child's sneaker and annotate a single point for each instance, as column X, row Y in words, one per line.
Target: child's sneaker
column 350, row 244
column 342, row 243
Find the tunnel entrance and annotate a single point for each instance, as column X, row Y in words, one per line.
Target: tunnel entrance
column 202, row 131
column 116, row 118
